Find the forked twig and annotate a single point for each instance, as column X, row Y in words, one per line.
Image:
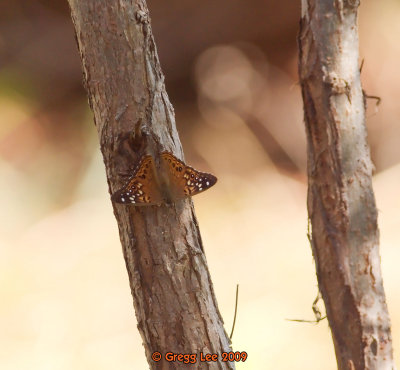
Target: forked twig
column 317, row 312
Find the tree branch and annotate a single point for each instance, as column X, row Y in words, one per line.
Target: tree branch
column 171, row 287
column 341, row 204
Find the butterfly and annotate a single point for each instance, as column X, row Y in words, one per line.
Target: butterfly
column 163, row 183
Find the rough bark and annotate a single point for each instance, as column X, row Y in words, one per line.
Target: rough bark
column 341, row 204
column 171, row 287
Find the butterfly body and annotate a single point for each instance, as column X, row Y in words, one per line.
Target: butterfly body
column 164, row 181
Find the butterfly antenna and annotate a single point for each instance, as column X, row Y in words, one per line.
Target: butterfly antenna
column 234, row 316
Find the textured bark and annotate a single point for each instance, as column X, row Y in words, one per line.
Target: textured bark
column 171, row 287
column 341, row 204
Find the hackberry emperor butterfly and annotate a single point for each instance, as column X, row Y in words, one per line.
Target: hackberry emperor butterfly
column 168, row 181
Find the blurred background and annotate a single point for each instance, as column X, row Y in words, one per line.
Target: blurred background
column 231, row 73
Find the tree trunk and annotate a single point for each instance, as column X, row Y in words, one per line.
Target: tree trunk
column 171, row 287
column 341, row 204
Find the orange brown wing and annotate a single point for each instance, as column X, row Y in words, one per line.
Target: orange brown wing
column 184, row 180
column 142, row 188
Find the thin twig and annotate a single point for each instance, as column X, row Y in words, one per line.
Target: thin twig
column 234, row 316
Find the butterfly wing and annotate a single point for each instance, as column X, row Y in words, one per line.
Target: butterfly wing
column 184, row 180
column 142, row 188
